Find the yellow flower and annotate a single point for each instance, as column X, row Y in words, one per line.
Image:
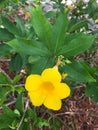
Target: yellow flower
column 64, row 75
column 96, row 21
column 27, row 14
column 70, row 6
column 47, row 89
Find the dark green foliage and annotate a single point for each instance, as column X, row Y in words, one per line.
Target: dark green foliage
column 7, row 117
column 5, row 49
column 20, row 103
column 59, row 31
column 4, row 79
column 16, row 63
column 5, row 35
column 10, row 26
column 3, row 3
column 78, row 72
column 92, row 91
column 76, row 44
column 42, row 27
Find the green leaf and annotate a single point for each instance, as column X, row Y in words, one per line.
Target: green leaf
column 39, row 122
column 24, row 126
column 19, row 89
column 7, row 117
column 42, row 122
column 41, row 64
column 3, row 94
column 76, row 25
column 20, row 103
column 32, row 114
column 41, row 26
column 16, row 79
column 59, row 31
column 92, row 91
column 4, row 79
column 33, row 59
column 20, row 25
column 86, row 65
column 55, row 124
column 5, row 35
column 28, row 47
column 15, row 63
column 10, row 26
column 50, row 14
column 77, row 72
column 76, row 44
column 5, row 49
column 4, row 121
column 9, row 112
column 3, row 3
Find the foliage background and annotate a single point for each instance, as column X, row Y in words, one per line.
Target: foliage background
column 32, row 40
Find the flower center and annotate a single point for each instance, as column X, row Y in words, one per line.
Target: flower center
column 47, row 87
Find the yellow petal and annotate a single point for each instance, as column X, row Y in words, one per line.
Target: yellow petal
column 51, row 75
column 62, row 90
column 52, row 102
column 33, row 82
column 37, row 98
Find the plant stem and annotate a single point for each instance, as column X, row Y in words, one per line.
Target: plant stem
column 21, row 121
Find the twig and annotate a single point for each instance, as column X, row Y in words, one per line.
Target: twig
column 70, row 113
column 4, row 60
column 8, row 104
column 5, row 84
column 18, row 85
column 21, row 121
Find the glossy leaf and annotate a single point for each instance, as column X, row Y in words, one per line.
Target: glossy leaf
column 9, row 112
column 77, row 72
column 76, row 25
column 20, row 25
column 33, row 59
column 59, row 31
column 20, row 103
column 3, row 95
column 32, row 114
column 42, row 122
column 41, row 64
column 4, row 79
column 10, row 26
column 41, row 26
column 76, row 44
column 24, row 126
column 5, row 49
column 16, row 78
column 27, row 47
column 16, row 63
column 7, row 117
column 5, row 35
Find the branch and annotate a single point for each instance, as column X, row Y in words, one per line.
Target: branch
column 21, row 121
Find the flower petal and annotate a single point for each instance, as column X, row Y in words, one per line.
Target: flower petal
column 37, row 98
column 52, row 102
column 51, row 74
column 62, row 90
column 33, row 82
